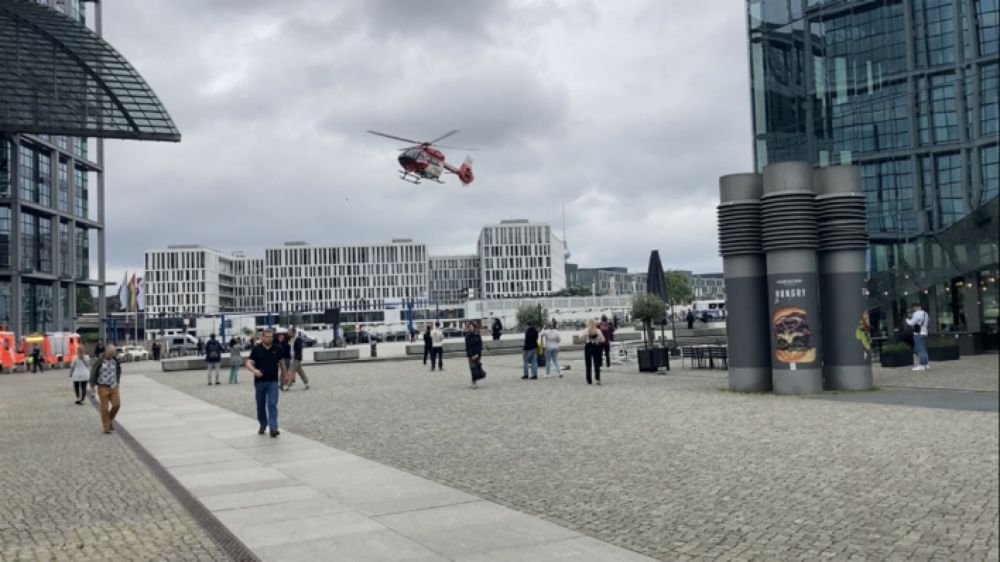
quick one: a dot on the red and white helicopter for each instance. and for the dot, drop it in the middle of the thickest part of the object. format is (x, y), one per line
(423, 161)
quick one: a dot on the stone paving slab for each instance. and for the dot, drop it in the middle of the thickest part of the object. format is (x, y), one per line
(293, 499)
(925, 398)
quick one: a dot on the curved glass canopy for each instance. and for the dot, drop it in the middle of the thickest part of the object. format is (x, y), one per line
(58, 77)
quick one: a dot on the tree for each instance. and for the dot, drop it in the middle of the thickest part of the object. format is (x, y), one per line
(649, 309)
(533, 314)
(678, 288)
(573, 292)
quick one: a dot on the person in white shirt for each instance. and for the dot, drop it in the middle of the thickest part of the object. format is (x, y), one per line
(550, 342)
(79, 373)
(437, 347)
(919, 320)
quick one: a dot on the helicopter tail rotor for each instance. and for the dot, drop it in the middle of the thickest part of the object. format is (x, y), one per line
(464, 173)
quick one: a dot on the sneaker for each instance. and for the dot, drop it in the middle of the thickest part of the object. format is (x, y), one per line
(217, 382)
(275, 433)
(534, 378)
(919, 368)
(598, 383)
(306, 387)
(524, 378)
(261, 431)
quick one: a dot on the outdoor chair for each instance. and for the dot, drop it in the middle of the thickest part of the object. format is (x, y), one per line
(719, 356)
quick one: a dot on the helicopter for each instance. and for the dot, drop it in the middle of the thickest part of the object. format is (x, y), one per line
(423, 160)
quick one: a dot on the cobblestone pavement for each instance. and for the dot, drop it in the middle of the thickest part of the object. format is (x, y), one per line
(670, 466)
(978, 372)
(70, 492)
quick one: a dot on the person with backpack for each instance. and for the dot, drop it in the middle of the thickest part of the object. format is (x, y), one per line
(106, 377)
(919, 320)
(608, 331)
(213, 356)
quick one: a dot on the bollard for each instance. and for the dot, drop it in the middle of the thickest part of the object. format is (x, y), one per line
(788, 232)
(843, 242)
(374, 350)
(745, 274)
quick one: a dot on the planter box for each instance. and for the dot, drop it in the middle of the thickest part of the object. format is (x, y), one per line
(943, 353)
(653, 359)
(891, 359)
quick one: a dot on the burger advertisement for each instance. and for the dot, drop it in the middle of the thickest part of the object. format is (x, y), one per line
(794, 322)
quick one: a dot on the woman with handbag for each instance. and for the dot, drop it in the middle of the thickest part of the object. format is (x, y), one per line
(474, 351)
(79, 373)
(592, 350)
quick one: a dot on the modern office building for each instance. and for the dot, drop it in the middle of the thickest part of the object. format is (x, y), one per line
(519, 258)
(298, 276)
(248, 283)
(61, 92)
(906, 90)
(454, 279)
(189, 279)
(611, 281)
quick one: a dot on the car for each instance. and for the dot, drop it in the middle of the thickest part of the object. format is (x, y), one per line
(307, 340)
(133, 353)
(453, 333)
(354, 338)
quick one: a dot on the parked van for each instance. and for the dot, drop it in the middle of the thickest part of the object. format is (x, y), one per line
(183, 344)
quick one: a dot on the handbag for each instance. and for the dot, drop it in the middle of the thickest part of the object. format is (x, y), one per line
(478, 373)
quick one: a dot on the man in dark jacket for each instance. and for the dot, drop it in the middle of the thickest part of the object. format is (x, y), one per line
(608, 331)
(530, 352)
(497, 329)
(213, 356)
(690, 319)
(428, 343)
(474, 351)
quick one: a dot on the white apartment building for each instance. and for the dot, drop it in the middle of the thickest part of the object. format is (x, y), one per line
(519, 258)
(248, 276)
(188, 278)
(452, 278)
(298, 276)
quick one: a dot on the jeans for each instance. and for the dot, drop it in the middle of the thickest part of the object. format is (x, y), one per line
(108, 395)
(551, 360)
(920, 346)
(213, 367)
(607, 354)
(437, 354)
(427, 352)
(234, 372)
(531, 359)
(266, 393)
(80, 389)
(592, 357)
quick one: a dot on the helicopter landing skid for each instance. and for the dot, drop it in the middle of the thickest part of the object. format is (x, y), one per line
(413, 178)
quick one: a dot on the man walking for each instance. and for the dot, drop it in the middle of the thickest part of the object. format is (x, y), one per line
(919, 321)
(106, 376)
(437, 347)
(266, 364)
(213, 356)
(608, 331)
(530, 352)
(296, 352)
(428, 343)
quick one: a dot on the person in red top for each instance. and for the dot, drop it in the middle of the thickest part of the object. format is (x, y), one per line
(608, 331)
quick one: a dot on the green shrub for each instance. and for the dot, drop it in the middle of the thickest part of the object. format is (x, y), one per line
(533, 313)
(896, 347)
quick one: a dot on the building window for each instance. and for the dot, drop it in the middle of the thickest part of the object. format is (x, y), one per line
(935, 32)
(44, 179)
(81, 197)
(5, 237)
(949, 188)
(989, 84)
(989, 161)
(988, 25)
(26, 173)
(63, 187)
(29, 241)
(5, 156)
(944, 115)
(45, 244)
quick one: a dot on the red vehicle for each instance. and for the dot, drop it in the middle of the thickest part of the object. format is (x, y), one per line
(424, 161)
(10, 357)
(57, 348)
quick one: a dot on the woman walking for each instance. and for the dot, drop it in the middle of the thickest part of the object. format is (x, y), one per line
(474, 351)
(592, 351)
(550, 342)
(79, 373)
(235, 360)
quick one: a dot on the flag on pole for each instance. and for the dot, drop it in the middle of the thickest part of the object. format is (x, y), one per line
(131, 293)
(141, 294)
(123, 292)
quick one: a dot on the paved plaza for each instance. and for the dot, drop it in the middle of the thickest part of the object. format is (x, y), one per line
(672, 466)
(71, 492)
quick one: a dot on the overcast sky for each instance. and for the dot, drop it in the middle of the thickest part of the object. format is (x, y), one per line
(626, 112)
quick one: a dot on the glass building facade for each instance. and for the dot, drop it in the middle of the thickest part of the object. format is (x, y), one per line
(49, 223)
(908, 91)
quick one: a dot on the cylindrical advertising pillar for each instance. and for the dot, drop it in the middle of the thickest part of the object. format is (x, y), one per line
(788, 231)
(843, 241)
(746, 282)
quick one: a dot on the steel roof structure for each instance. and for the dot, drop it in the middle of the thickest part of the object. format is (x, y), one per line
(58, 77)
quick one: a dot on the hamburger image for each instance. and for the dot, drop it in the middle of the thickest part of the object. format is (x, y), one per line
(792, 336)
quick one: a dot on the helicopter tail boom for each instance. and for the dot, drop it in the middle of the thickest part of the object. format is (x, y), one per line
(464, 172)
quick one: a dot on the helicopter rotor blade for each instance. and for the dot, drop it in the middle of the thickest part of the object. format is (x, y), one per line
(444, 136)
(457, 147)
(395, 137)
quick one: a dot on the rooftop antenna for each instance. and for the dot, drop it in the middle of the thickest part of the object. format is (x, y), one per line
(567, 253)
